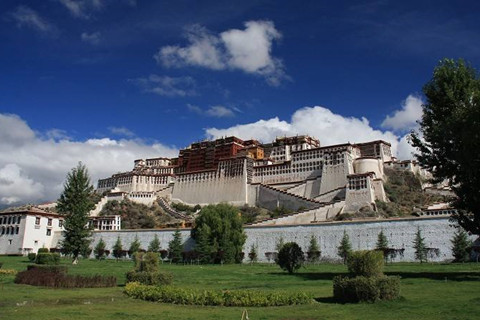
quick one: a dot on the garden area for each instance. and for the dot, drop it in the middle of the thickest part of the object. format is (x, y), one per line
(428, 291)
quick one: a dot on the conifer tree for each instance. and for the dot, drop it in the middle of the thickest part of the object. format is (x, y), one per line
(253, 255)
(461, 246)
(74, 204)
(419, 246)
(175, 247)
(382, 242)
(313, 250)
(202, 244)
(117, 249)
(154, 245)
(345, 248)
(99, 250)
(279, 244)
(134, 247)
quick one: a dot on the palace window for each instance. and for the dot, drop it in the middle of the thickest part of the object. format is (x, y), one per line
(37, 221)
(49, 232)
(49, 223)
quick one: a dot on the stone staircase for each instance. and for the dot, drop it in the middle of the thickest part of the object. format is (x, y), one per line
(172, 212)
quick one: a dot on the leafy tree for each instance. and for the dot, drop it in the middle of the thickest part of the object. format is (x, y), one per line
(99, 250)
(175, 247)
(134, 247)
(313, 250)
(74, 203)
(461, 246)
(345, 248)
(202, 244)
(226, 236)
(449, 137)
(290, 257)
(117, 249)
(253, 255)
(154, 245)
(420, 248)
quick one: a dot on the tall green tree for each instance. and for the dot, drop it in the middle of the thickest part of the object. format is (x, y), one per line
(461, 246)
(226, 234)
(99, 250)
(420, 247)
(175, 247)
(154, 245)
(117, 249)
(134, 247)
(449, 137)
(202, 244)
(279, 244)
(74, 204)
(382, 244)
(313, 250)
(345, 248)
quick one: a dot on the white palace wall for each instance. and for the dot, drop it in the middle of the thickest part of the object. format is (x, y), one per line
(363, 235)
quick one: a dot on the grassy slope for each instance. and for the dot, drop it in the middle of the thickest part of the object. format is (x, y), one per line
(426, 294)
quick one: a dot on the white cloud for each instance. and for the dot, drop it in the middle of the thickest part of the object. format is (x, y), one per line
(219, 112)
(405, 119)
(82, 8)
(27, 17)
(167, 86)
(33, 168)
(92, 38)
(249, 50)
(121, 131)
(319, 122)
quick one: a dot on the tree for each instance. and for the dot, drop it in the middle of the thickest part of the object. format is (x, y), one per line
(74, 204)
(461, 246)
(253, 255)
(382, 242)
(99, 250)
(279, 244)
(420, 248)
(449, 137)
(290, 257)
(117, 249)
(313, 250)
(345, 248)
(154, 245)
(175, 247)
(134, 247)
(202, 244)
(226, 236)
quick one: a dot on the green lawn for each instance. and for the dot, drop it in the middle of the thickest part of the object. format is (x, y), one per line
(429, 291)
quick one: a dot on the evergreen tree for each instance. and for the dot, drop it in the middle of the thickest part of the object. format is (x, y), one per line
(134, 247)
(99, 250)
(279, 244)
(382, 244)
(419, 246)
(345, 248)
(74, 204)
(461, 246)
(313, 250)
(154, 245)
(253, 255)
(117, 249)
(202, 244)
(175, 247)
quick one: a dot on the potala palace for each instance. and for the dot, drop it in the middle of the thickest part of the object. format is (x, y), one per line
(315, 183)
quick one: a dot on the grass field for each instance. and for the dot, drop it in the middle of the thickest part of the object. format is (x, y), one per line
(429, 291)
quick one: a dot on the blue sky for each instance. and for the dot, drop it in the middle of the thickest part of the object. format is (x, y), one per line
(105, 82)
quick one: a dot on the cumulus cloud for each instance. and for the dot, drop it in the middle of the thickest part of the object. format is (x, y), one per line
(405, 119)
(92, 38)
(26, 17)
(167, 86)
(319, 122)
(33, 168)
(249, 50)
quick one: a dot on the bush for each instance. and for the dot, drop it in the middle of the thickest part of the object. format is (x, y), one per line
(147, 262)
(1, 265)
(234, 298)
(32, 256)
(46, 278)
(366, 263)
(8, 271)
(290, 257)
(49, 268)
(150, 278)
(43, 250)
(366, 289)
(47, 258)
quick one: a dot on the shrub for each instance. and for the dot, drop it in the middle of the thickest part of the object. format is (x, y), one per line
(32, 256)
(366, 289)
(46, 278)
(49, 268)
(8, 271)
(47, 258)
(150, 278)
(234, 298)
(1, 265)
(290, 257)
(43, 250)
(366, 263)
(146, 261)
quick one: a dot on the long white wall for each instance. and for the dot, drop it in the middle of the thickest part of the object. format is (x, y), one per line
(437, 232)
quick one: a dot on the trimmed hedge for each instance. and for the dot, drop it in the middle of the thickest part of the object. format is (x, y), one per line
(234, 298)
(150, 278)
(8, 271)
(366, 289)
(49, 268)
(43, 250)
(47, 258)
(46, 278)
(366, 263)
(32, 256)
